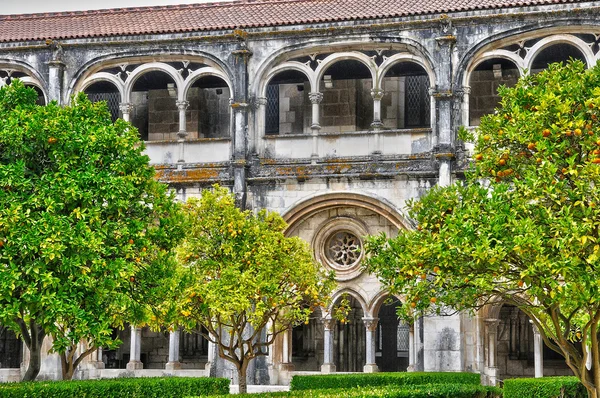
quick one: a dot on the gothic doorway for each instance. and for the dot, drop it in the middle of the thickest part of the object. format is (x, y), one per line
(391, 340)
(349, 340)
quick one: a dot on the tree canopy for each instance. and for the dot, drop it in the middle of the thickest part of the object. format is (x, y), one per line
(523, 226)
(240, 274)
(85, 230)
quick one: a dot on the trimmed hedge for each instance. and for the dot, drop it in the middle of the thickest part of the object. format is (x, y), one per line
(408, 391)
(168, 387)
(545, 387)
(318, 382)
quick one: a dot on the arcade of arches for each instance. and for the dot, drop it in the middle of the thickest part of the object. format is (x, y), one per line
(335, 126)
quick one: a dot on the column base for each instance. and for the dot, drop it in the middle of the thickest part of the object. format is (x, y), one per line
(328, 368)
(286, 367)
(99, 365)
(134, 365)
(173, 365)
(492, 375)
(411, 368)
(370, 368)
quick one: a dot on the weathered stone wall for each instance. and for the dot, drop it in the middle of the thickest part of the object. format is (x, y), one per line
(484, 91)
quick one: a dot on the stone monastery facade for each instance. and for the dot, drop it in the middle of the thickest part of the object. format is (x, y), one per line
(333, 113)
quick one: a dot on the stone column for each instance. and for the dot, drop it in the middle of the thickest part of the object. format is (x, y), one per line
(492, 334)
(55, 77)
(315, 99)
(538, 351)
(466, 90)
(126, 108)
(444, 97)
(135, 349)
(98, 359)
(371, 326)
(514, 334)
(261, 113)
(286, 351)
(328, 365)
(377, 125)
(411, 348)
(182, 133)
(173, 363)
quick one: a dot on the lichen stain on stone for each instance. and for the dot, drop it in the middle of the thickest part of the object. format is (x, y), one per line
(447, 340)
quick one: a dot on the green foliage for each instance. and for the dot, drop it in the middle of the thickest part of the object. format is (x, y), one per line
(545, 387)
(523, 228)
(171, 387)
(390, 391)
(241, 273)
(85, 230)
(318, 382)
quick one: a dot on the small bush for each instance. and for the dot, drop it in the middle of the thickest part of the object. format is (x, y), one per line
(318, 382)
(414, 391)
(170, 387)
(545, 387)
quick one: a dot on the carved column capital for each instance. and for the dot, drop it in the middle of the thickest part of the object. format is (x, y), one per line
(182, 105)
(492, 325)
(536, 330)
(261, 101)
(371, 323)
(377, 94)
(125, 107)
(329, 323)
(315, 98)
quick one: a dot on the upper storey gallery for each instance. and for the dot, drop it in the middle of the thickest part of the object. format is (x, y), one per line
(297, 81)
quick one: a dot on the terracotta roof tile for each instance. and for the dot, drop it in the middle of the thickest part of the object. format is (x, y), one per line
(229, 15)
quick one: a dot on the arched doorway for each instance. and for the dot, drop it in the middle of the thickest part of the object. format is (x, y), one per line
(391, 339)
(349, 347)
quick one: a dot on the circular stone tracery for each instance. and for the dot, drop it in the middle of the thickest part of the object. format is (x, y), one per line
(343, 249)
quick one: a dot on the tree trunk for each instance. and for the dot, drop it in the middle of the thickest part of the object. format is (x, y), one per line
(67, 367)
(36, 337)
(242, 377)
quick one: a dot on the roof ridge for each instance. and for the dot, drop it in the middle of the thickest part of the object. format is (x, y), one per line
(124, 10)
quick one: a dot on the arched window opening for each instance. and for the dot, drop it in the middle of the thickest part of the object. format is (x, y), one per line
(288, 109)
(117, 358)
(350, 340)
(307, 344)
(208, 113)
(391, 339)
(406, 101)
(11, 349)
(484, 82)
(155, 113)
(347, 100)
(193, 349)
(107, 92)
(561, 52)
(515, 357)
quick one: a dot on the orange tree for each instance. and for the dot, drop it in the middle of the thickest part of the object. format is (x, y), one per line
(240, 274)
(85, 230)
(523, 227)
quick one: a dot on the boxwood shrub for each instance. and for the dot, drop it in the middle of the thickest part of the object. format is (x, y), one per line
(168, 387)
(381, 379)
(545, 387)
(407, 391)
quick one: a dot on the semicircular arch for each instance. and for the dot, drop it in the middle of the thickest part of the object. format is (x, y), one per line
(346, 56)
(204, 72)
(153, 67)
(104, 77)
(338, 294)
(405, 57)
(287, 66)
(319, 202)
(560, 39)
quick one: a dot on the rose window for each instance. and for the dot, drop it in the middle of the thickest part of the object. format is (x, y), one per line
(343, 249)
